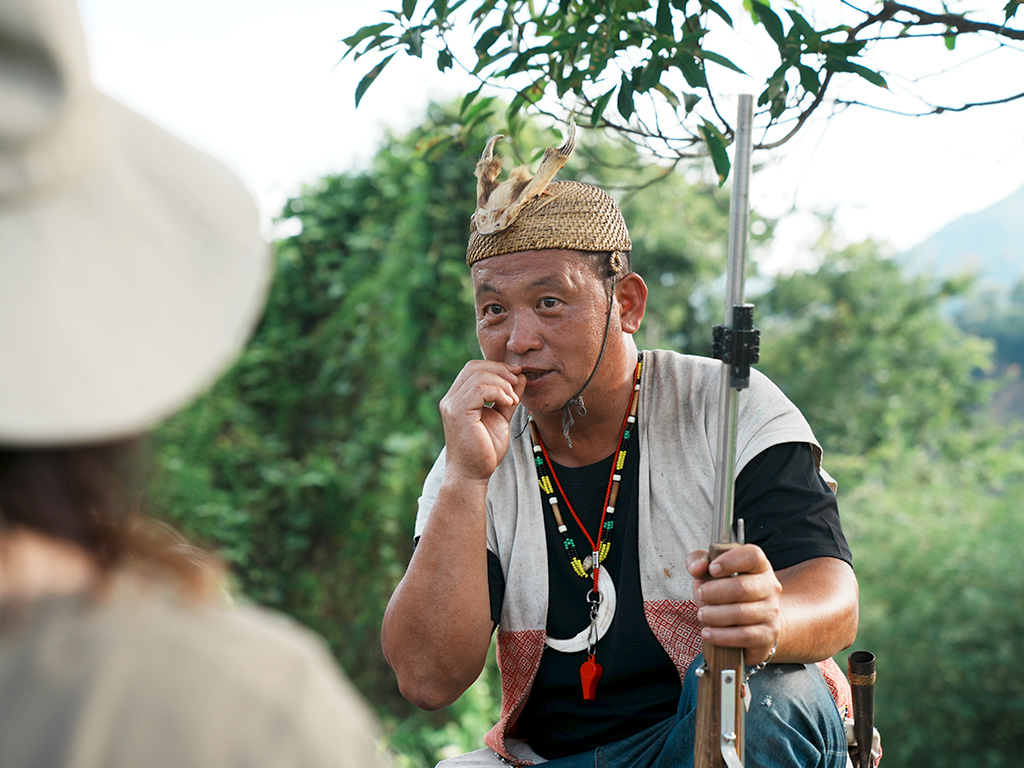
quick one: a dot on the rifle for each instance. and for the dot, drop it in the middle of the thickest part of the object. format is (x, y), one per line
(720, 710)
(861, 673)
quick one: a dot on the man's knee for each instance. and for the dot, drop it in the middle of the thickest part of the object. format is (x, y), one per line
(792, 719)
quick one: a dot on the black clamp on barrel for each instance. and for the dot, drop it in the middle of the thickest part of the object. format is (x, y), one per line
(737, 346)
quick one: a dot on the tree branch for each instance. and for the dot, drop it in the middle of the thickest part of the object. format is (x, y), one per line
(955, 21)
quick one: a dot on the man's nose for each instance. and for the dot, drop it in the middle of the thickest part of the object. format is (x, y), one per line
(524, 336)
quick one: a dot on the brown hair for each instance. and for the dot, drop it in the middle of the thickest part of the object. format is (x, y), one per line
(94, 497)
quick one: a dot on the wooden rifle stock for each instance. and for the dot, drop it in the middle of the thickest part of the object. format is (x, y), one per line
(720, 710)
(718, 739)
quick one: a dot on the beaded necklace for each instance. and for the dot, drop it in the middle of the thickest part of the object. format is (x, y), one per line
(590, 671)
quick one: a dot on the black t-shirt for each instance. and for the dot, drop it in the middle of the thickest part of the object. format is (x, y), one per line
(787, 510)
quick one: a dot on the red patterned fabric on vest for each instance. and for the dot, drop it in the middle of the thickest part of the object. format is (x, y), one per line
(674, 624)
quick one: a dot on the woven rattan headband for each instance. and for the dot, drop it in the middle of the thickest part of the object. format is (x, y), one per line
(531, 214)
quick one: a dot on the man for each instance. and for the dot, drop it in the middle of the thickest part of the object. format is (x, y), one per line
(597, 663)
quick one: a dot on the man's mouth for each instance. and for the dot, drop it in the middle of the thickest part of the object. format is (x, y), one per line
(534, 375)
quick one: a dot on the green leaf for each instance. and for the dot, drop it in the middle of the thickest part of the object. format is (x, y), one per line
(692, 71)
(809, 79)
(720, 59)
(374, 29)
(1010, 9)
(870, 75)
(468, 99)
(444, 60)
(480, 12)
(531, 94)
(648, 77)
(487, 39)
(779, 102)
(845, 50)
(690, 101)
(521, 62)
(599, 107)
(625, 100)
(776, 89)
(663, 21)
(802, 25)
(950, 41)
(715, 142)
(408, 8)
(476, 119)
(481, 105)
(711, 5)
(440, 9)
(772, 24)
(488, 59)
(669, 94)
(413, 40)
(370, 76)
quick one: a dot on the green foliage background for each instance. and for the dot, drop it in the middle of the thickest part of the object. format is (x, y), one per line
(302, 466)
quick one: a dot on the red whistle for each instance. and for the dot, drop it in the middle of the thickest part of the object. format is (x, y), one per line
(590, 673)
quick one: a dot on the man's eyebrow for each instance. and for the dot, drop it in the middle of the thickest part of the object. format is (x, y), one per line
(548, 281)
(484, 288)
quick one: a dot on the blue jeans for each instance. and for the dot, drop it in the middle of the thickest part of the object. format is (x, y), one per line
(792, 722)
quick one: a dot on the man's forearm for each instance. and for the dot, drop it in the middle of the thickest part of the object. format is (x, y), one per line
(437, 626)
(819, 610)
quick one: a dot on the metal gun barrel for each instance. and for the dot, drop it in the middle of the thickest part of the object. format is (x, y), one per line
(861, 673)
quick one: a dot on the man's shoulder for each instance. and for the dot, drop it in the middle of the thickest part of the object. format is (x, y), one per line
(667, 362)
(696, 373)
(680, 376)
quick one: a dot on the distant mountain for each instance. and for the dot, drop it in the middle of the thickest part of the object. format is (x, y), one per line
(989, 244)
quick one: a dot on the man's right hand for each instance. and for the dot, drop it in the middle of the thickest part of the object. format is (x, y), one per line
(437, 627)
(476, 413)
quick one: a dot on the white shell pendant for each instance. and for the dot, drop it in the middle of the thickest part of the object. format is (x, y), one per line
(605, 614)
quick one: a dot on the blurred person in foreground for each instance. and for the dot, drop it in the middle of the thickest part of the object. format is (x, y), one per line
(132, 270)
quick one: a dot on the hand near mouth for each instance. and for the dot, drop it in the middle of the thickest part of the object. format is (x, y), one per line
(476, 413)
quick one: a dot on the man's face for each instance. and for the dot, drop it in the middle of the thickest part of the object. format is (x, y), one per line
(544, 311)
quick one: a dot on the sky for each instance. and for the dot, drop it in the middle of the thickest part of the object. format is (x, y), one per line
(260, 85)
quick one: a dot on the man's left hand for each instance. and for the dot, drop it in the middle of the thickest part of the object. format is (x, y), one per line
(738, 599)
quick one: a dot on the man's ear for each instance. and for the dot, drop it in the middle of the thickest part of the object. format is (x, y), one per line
(631, 292)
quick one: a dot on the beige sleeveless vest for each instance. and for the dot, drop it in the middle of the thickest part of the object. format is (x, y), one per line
(678, 434)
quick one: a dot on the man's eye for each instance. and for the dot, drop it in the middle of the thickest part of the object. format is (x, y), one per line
(493, 309)
(549, 302)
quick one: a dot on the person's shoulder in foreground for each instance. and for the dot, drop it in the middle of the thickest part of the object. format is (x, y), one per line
(139, 674)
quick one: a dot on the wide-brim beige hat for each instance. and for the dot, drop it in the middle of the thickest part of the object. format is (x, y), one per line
(132, 266)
